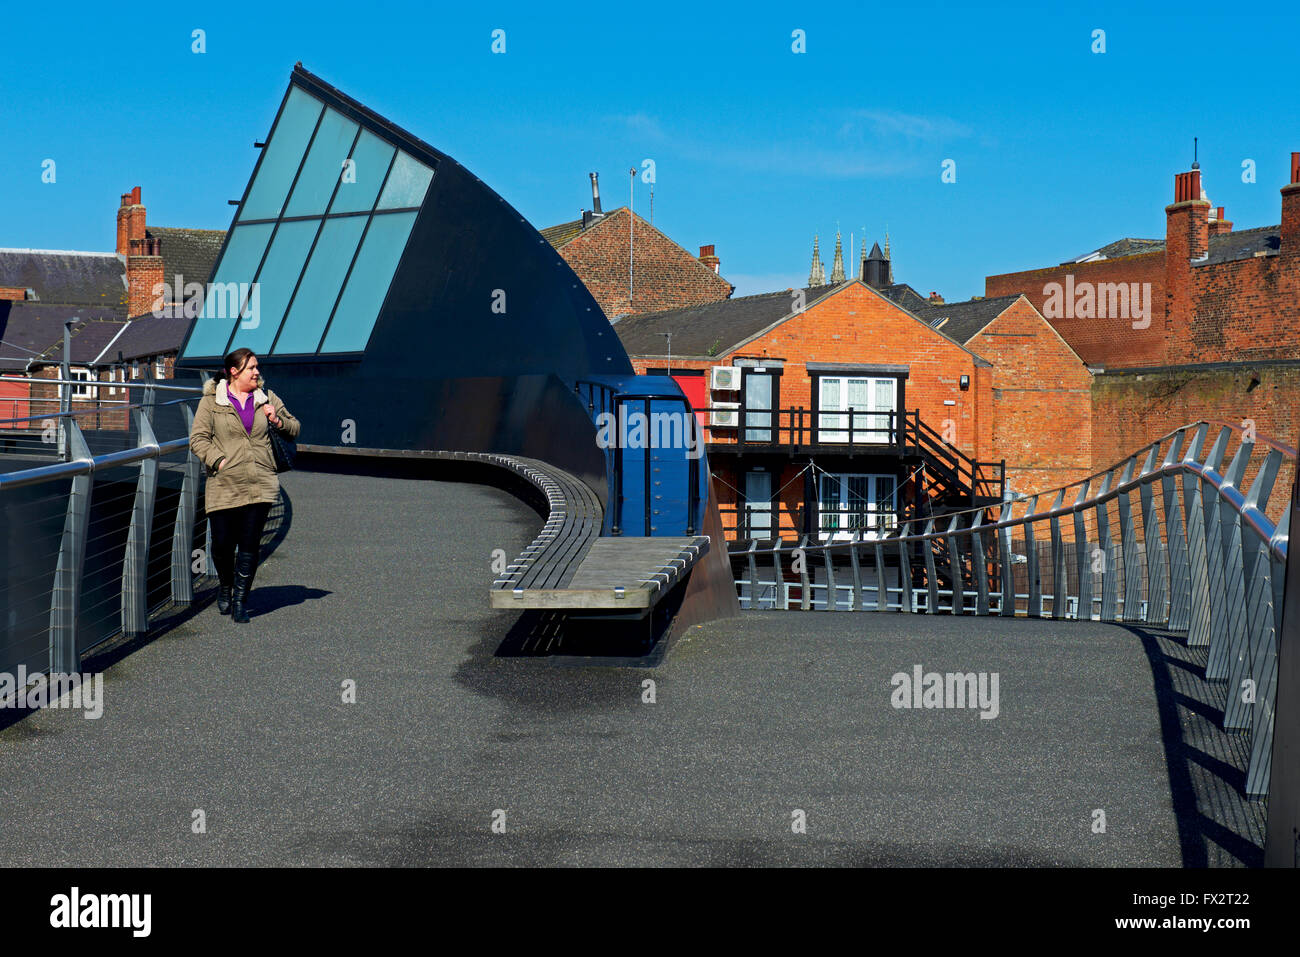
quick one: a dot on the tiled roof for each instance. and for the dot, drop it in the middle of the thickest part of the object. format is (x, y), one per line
(61, 277)
(905, 296)
(191, 253)
(1120, 247)
(714, 328)
(1243, 244)
(33, 332)
(151, 336)
(965, 319)
(557, 236)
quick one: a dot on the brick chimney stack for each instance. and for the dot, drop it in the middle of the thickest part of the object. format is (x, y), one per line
(1291, 211)
(1187, 240)
(936, 299)
(130, 221)
(709, 259)
(1218, 224)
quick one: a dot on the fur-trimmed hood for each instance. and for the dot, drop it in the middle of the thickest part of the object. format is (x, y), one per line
(217, 389)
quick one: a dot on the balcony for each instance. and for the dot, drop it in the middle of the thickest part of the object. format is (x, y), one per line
(802, 430)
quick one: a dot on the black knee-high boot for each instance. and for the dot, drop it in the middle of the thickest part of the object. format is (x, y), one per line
(225, 563)
(244, 567)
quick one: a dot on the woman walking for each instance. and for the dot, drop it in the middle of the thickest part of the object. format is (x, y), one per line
(231, 438)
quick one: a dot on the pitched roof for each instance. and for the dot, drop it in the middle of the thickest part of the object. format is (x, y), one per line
(717, 328)
(62, 277)
(905, 296)
(1243, 244)
(191, 253)
(1120, 247)
(711, 329)
(150, 336)
(557, 236)
(964, 319)
(32, 332)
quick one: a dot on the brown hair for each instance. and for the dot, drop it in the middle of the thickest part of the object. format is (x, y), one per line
(236, 360)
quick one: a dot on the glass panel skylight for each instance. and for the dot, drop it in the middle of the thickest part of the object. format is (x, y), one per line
(275, 283)
(370, 163)
(368, 284)
(227, 289)
(407, 183)
(324, 165)
(282, 156)
(320, 285)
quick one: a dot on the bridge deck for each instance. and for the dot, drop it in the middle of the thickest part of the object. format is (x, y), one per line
(381, 581)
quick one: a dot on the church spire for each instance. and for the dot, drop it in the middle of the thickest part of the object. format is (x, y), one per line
(837, 267)
(817, 275)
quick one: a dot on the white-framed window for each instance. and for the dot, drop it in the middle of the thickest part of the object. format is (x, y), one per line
(871, 399)
(160, 367)
(82, 391)
(851, 503)
(137, 369)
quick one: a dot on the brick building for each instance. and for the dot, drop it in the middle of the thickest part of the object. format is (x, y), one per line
(1221, 342)
(850, 406)
(111, 300)
(604, 247)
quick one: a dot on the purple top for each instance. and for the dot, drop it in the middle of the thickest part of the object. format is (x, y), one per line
(246, 410)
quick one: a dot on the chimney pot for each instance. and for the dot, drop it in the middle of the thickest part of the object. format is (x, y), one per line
(1295, 167)
(708, 257)
(595, 192)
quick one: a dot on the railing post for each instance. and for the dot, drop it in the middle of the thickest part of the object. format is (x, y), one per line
(882, 586)
(751, 601)
(1198, 620)
(977, 560)
(183, 529)
(829, 562)
(778, 596)
(931, 578)
(1109, 588)
(805, 580)
(1082, 556)
(955, 576)
(1214, 561)
(135, 563)
(905, 572)
(1282, 841)
(1035, 607)
(65, 596)
(1059, 579)
(1128, 548)
(1231, 648)
(1008, 608)
(857, 571)
(1180, 583)
(1157, 573)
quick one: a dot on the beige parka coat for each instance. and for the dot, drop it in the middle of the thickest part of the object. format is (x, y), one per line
(248, 474)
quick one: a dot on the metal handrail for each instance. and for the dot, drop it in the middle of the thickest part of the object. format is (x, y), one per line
(98, 383)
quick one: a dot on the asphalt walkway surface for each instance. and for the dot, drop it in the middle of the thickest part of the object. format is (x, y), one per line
(759, 724)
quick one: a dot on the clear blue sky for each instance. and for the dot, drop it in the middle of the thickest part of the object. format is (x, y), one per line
(1057, 149)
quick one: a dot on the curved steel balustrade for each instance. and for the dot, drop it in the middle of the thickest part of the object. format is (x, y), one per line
(1194, 553)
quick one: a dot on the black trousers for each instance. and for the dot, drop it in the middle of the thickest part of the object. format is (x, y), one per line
(240, 527)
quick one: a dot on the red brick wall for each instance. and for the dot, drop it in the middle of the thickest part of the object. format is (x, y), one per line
(1109, 342)
(664, 275)
(1131, 410)
(1041, 402)
(13, 293)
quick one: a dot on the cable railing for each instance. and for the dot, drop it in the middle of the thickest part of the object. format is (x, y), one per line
(104, 529)
(1175, 540)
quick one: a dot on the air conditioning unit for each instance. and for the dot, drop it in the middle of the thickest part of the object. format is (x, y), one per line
(724, 415)
(725, 379)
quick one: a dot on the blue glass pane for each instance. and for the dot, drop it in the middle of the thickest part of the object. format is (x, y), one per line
(406, 184)
(324, 165)
(320, 285)
(281, 156)
(370, 162)
(275, 284)
(227, 290)
(369, 282)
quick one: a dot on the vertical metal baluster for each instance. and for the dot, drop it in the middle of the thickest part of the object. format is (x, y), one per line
(832, 602)
(1128, 548)
(1035, 606)
(882, 586)
(752, 563)
(1198, 625)
(183, 528)
(977, 560)
(1082, 556)
(1216, 668)
(905, 570)
(1008, 608)
(1180, 582)
(1058, 559)
(1231, 652)
(1109, 589)
(805, 583)
(780, 598)
(135, 562)
(931, 578)
(955, 575)
(1157, 584)
(857, 571)
(65, 596)
(1248, 661)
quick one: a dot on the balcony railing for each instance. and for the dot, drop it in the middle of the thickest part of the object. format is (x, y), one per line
(803, 427)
